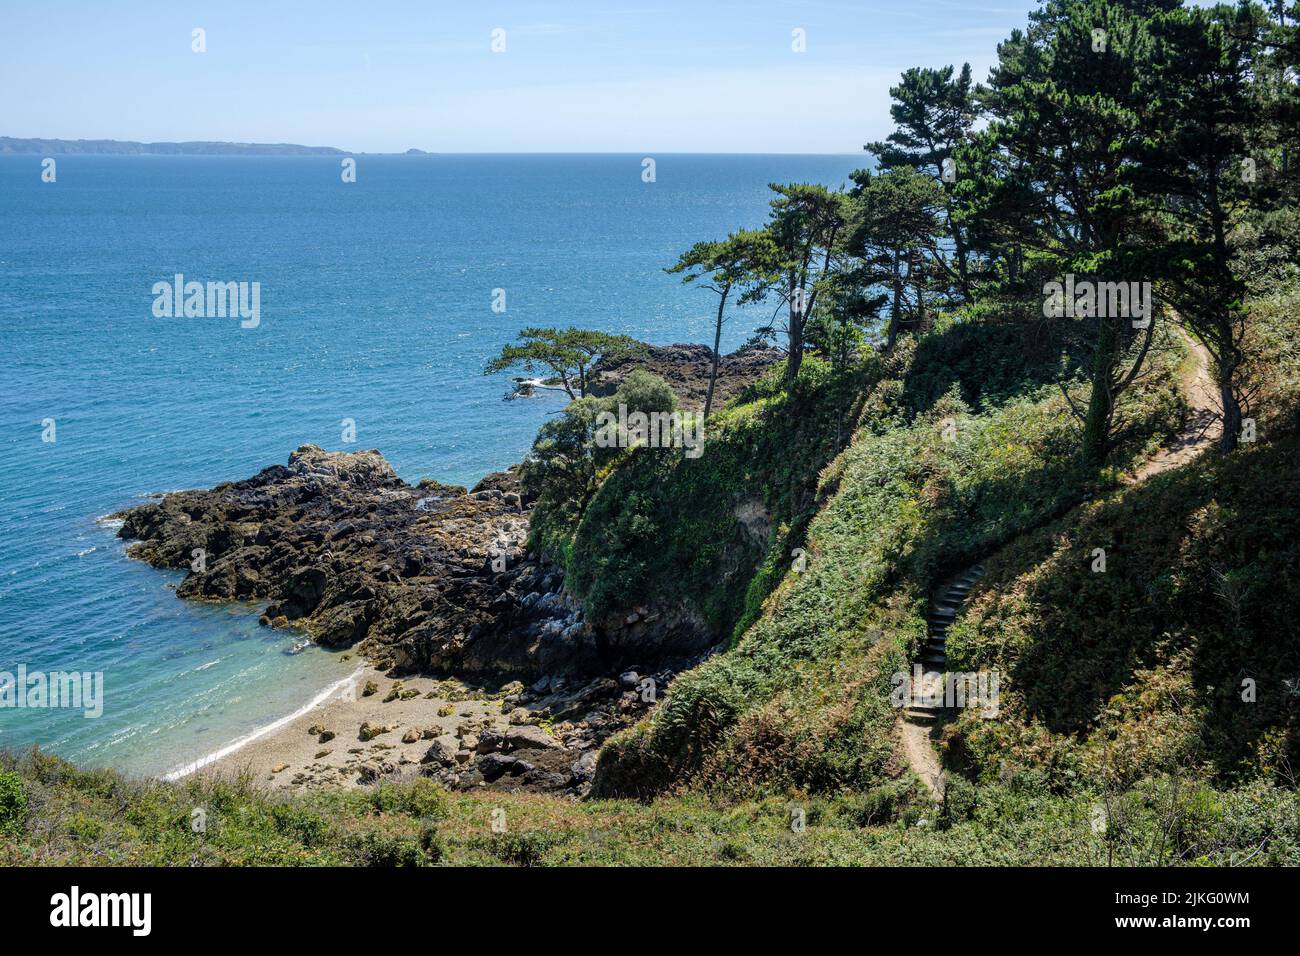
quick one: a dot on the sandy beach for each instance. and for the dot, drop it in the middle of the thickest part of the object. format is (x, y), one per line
(323, 747)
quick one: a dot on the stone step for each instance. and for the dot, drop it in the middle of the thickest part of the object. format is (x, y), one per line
(921, 714)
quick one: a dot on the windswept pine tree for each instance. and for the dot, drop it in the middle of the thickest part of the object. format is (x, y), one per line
(1069, 120)
(934, 112)
(897, 231)
(747, 262)
(568, 354)
(1198, 177)
(808, 226)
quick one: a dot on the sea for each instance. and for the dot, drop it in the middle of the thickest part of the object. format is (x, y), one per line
(379, 302)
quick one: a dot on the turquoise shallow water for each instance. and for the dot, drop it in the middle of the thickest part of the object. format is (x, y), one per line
(375, 306)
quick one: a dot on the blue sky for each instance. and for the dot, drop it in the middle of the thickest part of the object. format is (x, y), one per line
(378, 76)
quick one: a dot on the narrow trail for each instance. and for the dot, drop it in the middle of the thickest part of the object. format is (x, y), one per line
(1199, 433)
(921, 724)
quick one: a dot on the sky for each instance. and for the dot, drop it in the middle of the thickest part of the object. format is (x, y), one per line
(579, 76)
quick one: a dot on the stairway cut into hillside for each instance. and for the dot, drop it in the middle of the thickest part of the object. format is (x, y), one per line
(922, 720)
(920, 724)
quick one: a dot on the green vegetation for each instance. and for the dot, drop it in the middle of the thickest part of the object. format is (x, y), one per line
(13, 802)
(99, 818)
(567, 354)
(1177, 658)
(569, 460)
(802, 700)
(696, 528)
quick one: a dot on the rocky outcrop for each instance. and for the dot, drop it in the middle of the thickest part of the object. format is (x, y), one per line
(686, 369)
(429, 577)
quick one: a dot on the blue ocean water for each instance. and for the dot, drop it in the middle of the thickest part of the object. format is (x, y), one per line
(375, 306)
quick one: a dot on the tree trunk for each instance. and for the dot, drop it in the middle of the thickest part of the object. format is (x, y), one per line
(1227, 369)
(717, 344)
(895, 308)
(1101, 404)
(963, 267)
(914, 274)
(1231, 417)
(794, 358)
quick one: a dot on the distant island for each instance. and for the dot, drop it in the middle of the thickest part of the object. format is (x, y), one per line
(114, 147)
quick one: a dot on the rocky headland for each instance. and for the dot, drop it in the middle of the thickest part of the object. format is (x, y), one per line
(434, 581)
(686, 369)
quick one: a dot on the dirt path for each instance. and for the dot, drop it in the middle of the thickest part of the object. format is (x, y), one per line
(1200, 432)
(921, 724)
(922, 756)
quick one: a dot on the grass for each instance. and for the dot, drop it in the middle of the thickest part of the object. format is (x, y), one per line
(79, 817)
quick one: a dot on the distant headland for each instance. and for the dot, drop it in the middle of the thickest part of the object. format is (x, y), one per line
(114, 147)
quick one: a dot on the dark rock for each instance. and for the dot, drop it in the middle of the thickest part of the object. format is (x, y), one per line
(493, 766)
(530, 737)
(584, 768)
(442, 751)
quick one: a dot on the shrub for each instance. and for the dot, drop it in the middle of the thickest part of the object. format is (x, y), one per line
(13, 802)
(520, 849)
(564, 468)
(376, 848)
(421, 798)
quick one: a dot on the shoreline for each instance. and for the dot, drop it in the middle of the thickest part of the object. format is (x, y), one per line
(240, 743)
(322, 743)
